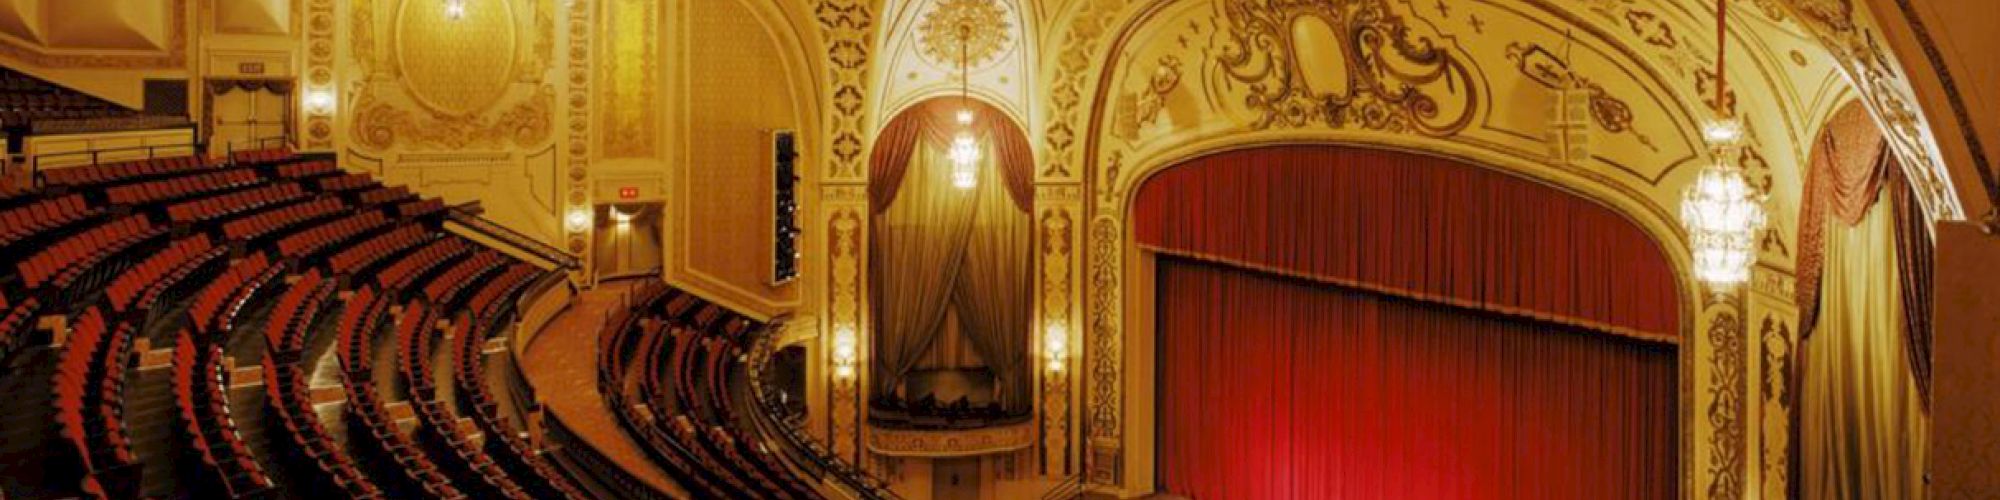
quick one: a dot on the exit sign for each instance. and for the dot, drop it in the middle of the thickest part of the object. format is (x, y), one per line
(628, 192)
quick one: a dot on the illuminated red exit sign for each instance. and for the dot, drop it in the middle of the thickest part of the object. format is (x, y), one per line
(628, 192)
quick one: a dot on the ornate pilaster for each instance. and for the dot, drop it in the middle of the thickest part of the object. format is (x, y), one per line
(847, 30)
(579, 79)
(1056, 209)
(1725, 399)
(847, 216)
(1773, 358)
(318, 121)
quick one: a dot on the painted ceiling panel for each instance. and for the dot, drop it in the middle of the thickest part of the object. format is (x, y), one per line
(22, 19)
(263, 17)
(108, 24)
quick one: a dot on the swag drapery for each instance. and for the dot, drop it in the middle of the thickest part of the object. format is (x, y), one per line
(1862, 377)
(940, 252)
(1439, 331)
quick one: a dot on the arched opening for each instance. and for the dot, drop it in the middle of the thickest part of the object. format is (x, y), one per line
(1343, 322)
(950, 275)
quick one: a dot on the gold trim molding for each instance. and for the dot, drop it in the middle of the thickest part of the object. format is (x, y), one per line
(951, 443)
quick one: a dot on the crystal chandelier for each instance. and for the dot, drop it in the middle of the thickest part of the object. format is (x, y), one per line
(1721, 211)
(964, 161)
(964, 149)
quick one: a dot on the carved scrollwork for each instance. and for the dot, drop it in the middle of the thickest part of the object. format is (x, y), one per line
(1391, 76)
(1546, 69)
(1725, 412)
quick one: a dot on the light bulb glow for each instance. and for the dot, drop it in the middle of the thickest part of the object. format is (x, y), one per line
(454, 9)
(964, 162)
(319, 101)
(577, 220)
(964, 117)
(1722, 214)
(1723, 132)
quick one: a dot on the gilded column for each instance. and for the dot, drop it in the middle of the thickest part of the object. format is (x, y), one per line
(1057, 206)
(577, 216)
(847, 29)
(319, 112)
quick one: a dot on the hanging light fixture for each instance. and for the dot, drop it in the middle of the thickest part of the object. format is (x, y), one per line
(454, 9)
(964, 152)
(1721, 211)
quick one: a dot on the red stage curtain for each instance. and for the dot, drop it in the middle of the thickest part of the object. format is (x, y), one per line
(1418, 227)
(1273, 388)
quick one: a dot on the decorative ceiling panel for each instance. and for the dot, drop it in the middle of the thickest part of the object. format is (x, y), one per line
(141, 25)
(257, 17)
(926, 39)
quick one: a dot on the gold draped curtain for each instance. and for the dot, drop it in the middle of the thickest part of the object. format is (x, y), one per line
(941, 253)
(1862, 424)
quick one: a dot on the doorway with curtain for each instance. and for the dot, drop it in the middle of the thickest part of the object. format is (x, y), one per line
(628, 240)
(950, 268)
(247, 114)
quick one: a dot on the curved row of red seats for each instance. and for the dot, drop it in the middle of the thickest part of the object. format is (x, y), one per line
(69, 258)
(272, 221)
(181, 186)
(24, 222)
(231, 204)
(206, 425)
(106, 173)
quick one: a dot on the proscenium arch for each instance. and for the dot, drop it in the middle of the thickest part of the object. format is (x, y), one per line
(1117, 287)
(1141, 336)
(1138, 353)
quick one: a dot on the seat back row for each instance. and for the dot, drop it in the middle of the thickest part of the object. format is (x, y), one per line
(108, 173)
(311, 241)
(272, 221)
(209, 431)
(231, 204)
(130, 287)
(67, 259)
(26, 221)
(181, 187)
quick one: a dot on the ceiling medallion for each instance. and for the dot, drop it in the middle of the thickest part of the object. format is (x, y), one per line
(964, 31)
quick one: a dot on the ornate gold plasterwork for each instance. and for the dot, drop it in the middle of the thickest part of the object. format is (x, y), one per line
(1866, 61)
(380, 125)
(1546, 69)
(1726, 445)
(1067, 109)
(578, 137)
(1774, 436)
(630, 67)
(174, 57)
(489, 90)
(847, 27)
(455, 66)
(951, 443)
(844, 310)
(1107, 345)
(1396, 80)
(968, 31)
(1055, 250)
(319, 29)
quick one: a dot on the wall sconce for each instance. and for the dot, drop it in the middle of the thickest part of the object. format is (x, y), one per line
(577, 220)
(1056, 344)
(846, 350)
(319, 101)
